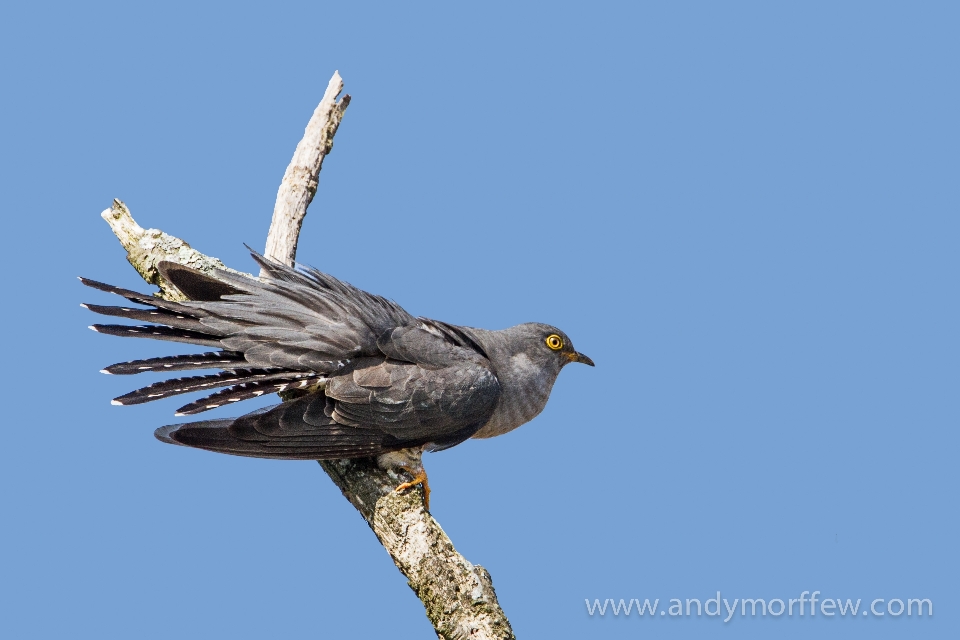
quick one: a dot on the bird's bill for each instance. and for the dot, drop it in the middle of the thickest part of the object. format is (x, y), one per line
(579, 357)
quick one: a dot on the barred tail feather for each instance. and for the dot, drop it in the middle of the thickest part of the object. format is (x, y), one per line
(246, 391)
(176, 386)
(140, 298)
(158, 332)
(159, 316)
(208, 360)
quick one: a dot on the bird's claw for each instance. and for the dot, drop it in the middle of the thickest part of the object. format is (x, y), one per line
(419, 477)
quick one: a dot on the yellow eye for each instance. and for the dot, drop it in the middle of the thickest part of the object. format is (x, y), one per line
(555, 342)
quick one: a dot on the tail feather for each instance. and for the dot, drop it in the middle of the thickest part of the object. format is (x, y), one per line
(140, 298)
(160, 316)
(158, 332)
(208, 360)
(246, 391)
(176, 386)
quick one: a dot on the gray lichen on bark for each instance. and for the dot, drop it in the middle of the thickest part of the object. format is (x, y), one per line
(458, 596)
(146, 247)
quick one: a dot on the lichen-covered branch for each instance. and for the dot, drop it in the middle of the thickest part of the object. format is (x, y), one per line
(146, 247)
(458, 596)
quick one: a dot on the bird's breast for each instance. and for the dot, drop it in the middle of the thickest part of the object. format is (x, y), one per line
(524, 391)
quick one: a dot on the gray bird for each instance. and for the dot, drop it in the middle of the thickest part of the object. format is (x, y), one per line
(359, 375)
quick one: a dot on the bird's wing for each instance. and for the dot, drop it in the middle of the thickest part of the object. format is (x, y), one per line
(296, 430)
(424, 392)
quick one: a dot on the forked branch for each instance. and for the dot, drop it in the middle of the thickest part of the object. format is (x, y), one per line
(458, 596)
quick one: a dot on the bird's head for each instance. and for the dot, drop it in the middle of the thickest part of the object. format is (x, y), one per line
(547, 347)
(527, 359)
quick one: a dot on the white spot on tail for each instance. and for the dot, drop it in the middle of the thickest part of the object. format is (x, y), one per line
(106, 372)
(116, 402)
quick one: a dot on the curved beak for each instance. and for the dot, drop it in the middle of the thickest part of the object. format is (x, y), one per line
(579, 357)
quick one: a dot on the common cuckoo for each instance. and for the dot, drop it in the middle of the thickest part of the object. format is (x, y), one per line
(360, 376)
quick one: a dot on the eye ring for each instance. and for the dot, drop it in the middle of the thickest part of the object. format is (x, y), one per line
(554, 342)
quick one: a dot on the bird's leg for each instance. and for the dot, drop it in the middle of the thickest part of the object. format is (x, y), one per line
(410, 461)
(419, 477)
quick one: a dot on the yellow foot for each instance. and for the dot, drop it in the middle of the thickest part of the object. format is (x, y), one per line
(419, 477)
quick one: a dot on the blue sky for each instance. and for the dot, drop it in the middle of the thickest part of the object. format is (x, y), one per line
(746, 214)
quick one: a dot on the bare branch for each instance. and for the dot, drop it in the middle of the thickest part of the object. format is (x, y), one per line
(300, 181)
(458, 596)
